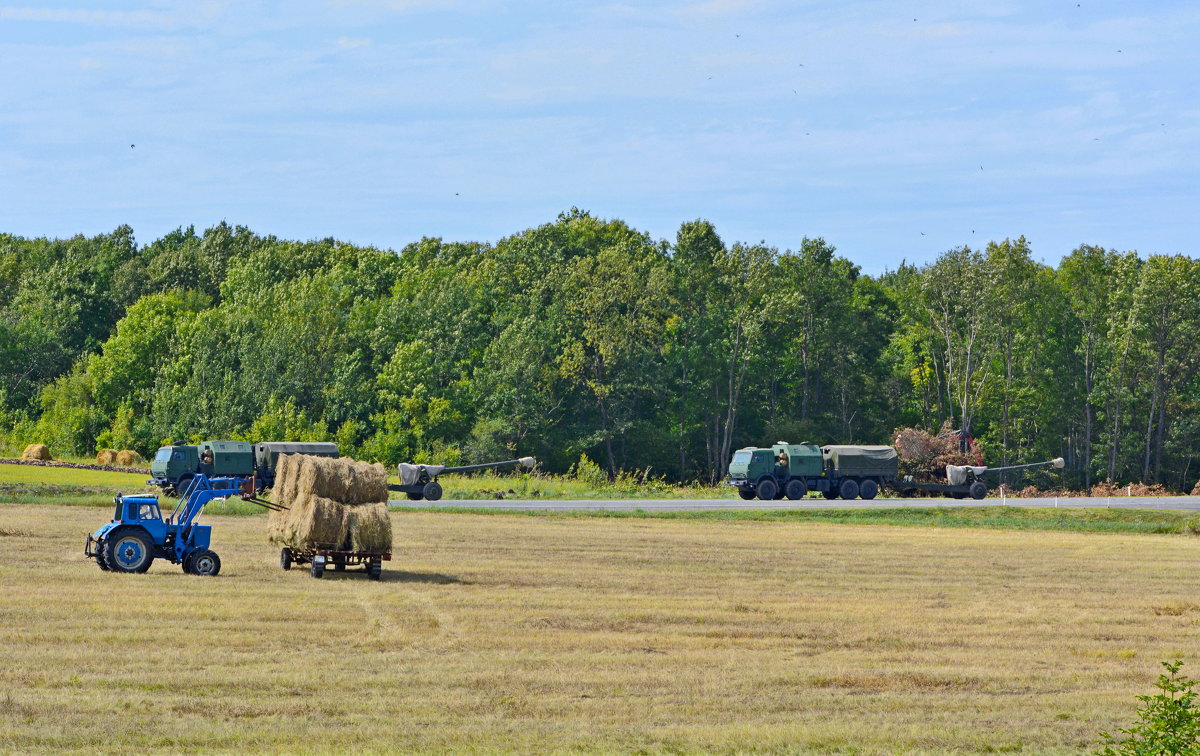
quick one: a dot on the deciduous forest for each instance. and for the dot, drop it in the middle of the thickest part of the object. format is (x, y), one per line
(586, 336)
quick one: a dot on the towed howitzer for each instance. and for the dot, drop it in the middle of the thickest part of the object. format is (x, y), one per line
(419, 482)
(966, 474)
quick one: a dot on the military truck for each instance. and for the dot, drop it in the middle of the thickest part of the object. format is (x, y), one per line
(174, 466)
(848, 471)
(792, 470)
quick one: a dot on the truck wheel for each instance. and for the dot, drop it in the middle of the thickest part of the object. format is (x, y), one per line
(978, 490)
(831, 495)
(746, 493)
(868, 490)
(129, 551)
(182, 484)
(432, 490)
(848, 489)
(205, 563)
(285, 559)
(796, 489)
(766, 489)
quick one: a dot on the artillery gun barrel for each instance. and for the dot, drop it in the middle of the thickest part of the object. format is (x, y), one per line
(1056, 462)
(525, 461)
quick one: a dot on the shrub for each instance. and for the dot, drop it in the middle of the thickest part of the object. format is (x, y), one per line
(1168, 721)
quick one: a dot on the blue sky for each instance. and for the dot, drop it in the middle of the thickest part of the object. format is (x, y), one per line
(895, 130)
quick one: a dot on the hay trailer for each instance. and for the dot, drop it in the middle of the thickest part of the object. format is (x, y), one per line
(419, 482)
(320, 557)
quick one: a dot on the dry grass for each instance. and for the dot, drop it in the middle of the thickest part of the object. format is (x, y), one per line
(493, 634)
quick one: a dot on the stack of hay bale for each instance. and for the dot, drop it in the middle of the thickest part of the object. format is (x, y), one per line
(106, 457)
(333, 504)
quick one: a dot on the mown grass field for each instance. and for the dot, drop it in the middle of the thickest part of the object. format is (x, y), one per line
(565, 634)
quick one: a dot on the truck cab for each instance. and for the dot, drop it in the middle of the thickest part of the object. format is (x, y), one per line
(174, 467)
(174, 463)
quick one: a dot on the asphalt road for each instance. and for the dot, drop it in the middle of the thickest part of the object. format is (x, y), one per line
(700, 505)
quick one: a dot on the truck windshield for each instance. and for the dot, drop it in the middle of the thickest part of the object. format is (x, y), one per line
(742, 457)
(163, 454)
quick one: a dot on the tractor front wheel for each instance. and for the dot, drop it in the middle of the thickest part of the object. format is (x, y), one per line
(204, 563)
(129, 551)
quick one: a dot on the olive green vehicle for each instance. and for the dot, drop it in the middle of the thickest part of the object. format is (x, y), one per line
(848, 471)
(792, 470)
(174, 466)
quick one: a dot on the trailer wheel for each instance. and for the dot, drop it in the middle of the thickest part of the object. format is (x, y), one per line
(205, 563)
(129, 551)
(375, 569)
(978, 490)
(796, 489)
(767, 488)
(432, 490)
(746, 493)
(869, 489)
(285, 559)
(848, 489)
(318, 568)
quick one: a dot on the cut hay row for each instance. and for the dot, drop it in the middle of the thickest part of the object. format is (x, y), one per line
(332, 503)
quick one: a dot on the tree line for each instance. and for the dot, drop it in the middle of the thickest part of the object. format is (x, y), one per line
(586, 336)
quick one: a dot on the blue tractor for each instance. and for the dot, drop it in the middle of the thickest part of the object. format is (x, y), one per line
(139, 533)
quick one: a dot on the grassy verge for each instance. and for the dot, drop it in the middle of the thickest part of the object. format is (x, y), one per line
(541, 486)
(992, 517)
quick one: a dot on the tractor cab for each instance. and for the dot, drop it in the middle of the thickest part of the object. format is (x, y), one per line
(136, 508)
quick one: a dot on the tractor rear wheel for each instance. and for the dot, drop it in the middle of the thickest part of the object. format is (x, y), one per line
(205, 563)
(767, 488)
(432, 490)
(796, 489)
(868, 490)
(100, 558)
(848, 489)
(129, 551)
(285, 559)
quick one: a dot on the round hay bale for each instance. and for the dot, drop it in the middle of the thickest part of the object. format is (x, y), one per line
(106, 457)
(128, 458)
(36, 452)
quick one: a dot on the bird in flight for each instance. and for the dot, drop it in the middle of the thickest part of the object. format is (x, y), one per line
(132, 146)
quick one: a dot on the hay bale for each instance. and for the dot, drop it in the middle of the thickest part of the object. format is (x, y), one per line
(345, 480)
(284, 489)
(106, 456)
(370, 528)
(312, 521)
(36, 452)
(128, 458)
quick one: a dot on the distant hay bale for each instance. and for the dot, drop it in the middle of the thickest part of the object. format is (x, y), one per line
(128, 458)
(37, 452)
(106, 457)
(370, 527)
